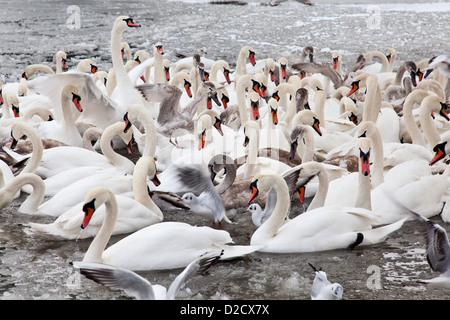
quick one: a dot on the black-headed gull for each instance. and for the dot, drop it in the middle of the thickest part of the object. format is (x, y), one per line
(137, 286)
(323, 289)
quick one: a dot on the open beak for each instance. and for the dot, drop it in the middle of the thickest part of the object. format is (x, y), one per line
(88, 209)
(274, 116)
(187, 87)
(76, 101)
(316, 126)
(440, 153)
(365, 165)
(156, 181)
(251, 58)
(301, 194)
(255, 109)
(127, 123)
(254, 189)
(355, 86)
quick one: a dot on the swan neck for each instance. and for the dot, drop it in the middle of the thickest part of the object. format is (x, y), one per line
(36, 155)
(140, 186)
(98, 245)
(363, 197)
(252, 153)
(322, 190)
(415, 97)
(270, 227)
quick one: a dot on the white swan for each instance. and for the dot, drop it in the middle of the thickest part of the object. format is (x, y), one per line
(10, 190)
(137, 286)
(64, 129)
(431, 104)
(165, 245)
(134, 213)
(325, 228)
(245, 53)
(51, 161)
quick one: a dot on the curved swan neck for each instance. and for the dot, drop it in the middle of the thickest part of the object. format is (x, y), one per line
(38, 149)
(319, 106)
(98, 245)
(105, 145)
(270, 227)
(415, 97)
(429, 128)
(32, 202)
(144, 166)
(322, 190)
(242, 105)
(378, 54)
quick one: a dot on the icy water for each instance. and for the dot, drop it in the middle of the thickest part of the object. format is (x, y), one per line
(33, 268)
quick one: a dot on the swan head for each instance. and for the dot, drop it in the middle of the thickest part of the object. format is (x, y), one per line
(159, 48)
(441, 150)
(93, 200)
(166, 65)
(336, 58)
(12, 101)
(62, 57)
(264, 180)
(254, 104)
(87, 65)
(308, 117)
(71, 92)
(308, 51)
(364, 146)
(298, 132)
(124, 22)
(249, 53)
(273, 105)
(391, 53)
(18, 131)
(283, 67)
(152, 171)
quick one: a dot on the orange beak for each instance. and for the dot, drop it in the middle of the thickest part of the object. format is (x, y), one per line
(167, 73)
(15, 111)
(94, 68)
(209, 103)
(316, 126)
(301, 193)
(442, 111)
(187, 87)
(440, 153)
(251, 58)
(88, 209)
(302, 74)
(365, 165)
(201, 140)
(143, 78)
(226, 74)
(254, 190)
(225, 101)
(130, 146)
(127, 123)
(274, 116)
(355, 86)
(283, 71)
(335, 61)
(272, 75)
(76, 101)
(255, 109)
(156, 181)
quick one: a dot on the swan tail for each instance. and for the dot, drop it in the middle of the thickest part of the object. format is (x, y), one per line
(379, 234)
(50, 231)
(233, 252)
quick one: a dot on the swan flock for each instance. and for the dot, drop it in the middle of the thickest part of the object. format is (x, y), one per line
(318, 158)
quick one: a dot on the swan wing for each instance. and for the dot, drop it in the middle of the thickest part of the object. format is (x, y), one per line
(197, 266)
(313, 67)
(117, 278)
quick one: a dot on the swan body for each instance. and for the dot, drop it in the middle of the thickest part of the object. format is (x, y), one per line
(316, 230)
(134, 212)
(165, 245)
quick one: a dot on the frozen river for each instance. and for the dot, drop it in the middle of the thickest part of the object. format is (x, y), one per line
(33, 31)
